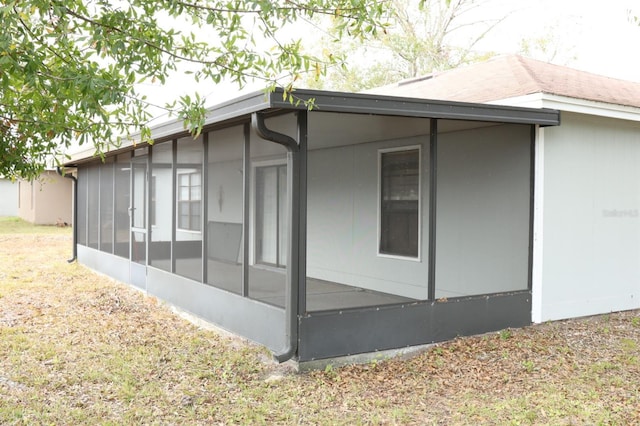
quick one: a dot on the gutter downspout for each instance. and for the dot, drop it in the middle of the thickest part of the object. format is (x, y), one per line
(293, 233)
(75, 213)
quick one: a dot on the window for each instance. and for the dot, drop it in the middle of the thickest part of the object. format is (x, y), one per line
(400, 202)
(271, 226)
(189, 196)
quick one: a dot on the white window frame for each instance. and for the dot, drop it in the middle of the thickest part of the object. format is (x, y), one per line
(252, 211)
(381, 152)
(187, 171)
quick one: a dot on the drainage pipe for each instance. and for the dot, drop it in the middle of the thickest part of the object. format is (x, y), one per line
(293, 233)
(75, 213)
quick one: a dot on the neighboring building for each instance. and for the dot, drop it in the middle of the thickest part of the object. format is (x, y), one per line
(47, 200)
(586, 245)
(8, 198)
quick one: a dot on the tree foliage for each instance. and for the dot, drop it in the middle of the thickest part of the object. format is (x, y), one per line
(69, 68)
(546, 46)
(424, 36)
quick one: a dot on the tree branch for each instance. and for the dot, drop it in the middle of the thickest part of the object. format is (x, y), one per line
(215, 63)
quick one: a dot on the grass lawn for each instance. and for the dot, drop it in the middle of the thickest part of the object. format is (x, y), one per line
(79, 348)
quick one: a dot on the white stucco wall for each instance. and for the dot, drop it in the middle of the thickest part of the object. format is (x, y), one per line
(483, 210)
(8, 198)
(46, 201)
(591, 218)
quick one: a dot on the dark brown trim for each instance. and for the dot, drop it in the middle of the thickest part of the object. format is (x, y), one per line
(433, 193)
(532, 180)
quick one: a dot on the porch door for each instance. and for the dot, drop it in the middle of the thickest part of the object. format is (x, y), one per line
(271, 218)
(138, 213)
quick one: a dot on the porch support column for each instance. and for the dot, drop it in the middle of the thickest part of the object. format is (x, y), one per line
(205, 207)
(433, 178)
(296, 213)
(246, 216)
(301, 212)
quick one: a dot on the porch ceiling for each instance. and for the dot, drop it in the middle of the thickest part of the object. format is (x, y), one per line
(240, 109)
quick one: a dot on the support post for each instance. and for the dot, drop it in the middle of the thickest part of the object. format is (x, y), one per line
(293, 233)
(74, 213)
(433, 200)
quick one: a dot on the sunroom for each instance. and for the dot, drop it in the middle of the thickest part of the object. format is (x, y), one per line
(364, 224)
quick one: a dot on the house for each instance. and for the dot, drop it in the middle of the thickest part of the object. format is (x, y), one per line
(586, 196)
(368, 223)
(47, 200)
(8, 198)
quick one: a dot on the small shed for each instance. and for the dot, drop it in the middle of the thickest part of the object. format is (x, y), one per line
(368, 223)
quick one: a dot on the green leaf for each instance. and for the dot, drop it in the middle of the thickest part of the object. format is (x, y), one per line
(70, 69)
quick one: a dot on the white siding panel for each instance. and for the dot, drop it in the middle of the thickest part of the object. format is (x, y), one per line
(591, 255)
(482, 234)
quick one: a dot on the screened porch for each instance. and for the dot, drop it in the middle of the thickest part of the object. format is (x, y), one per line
(412, 212)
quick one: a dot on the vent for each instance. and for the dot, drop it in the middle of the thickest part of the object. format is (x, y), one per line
(415, 79)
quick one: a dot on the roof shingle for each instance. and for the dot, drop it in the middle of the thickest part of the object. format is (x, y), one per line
(511, 75)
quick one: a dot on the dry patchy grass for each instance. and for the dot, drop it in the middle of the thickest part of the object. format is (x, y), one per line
(79, 348)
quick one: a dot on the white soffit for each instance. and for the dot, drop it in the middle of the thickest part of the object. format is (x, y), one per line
(565, 103)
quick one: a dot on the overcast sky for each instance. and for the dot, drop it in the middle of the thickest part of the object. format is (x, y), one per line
(592, 35)
(598, 33)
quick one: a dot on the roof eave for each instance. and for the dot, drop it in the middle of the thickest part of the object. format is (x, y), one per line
(570, 104)
(237, 107)
(355, 103)
(359, 103)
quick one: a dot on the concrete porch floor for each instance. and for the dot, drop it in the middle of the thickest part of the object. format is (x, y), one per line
(268, 285)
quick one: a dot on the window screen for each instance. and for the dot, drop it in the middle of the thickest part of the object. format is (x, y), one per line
(161, 206)
(106, 207)
(225, 213)
(93, 214)
(83, 177)
(399, 202)
(122, 191)
(187, 246)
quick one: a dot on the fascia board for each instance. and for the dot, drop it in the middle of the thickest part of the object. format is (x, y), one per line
(360, 103)
(240, 106)
(582, 106)
(568, 104)
(243, 105)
